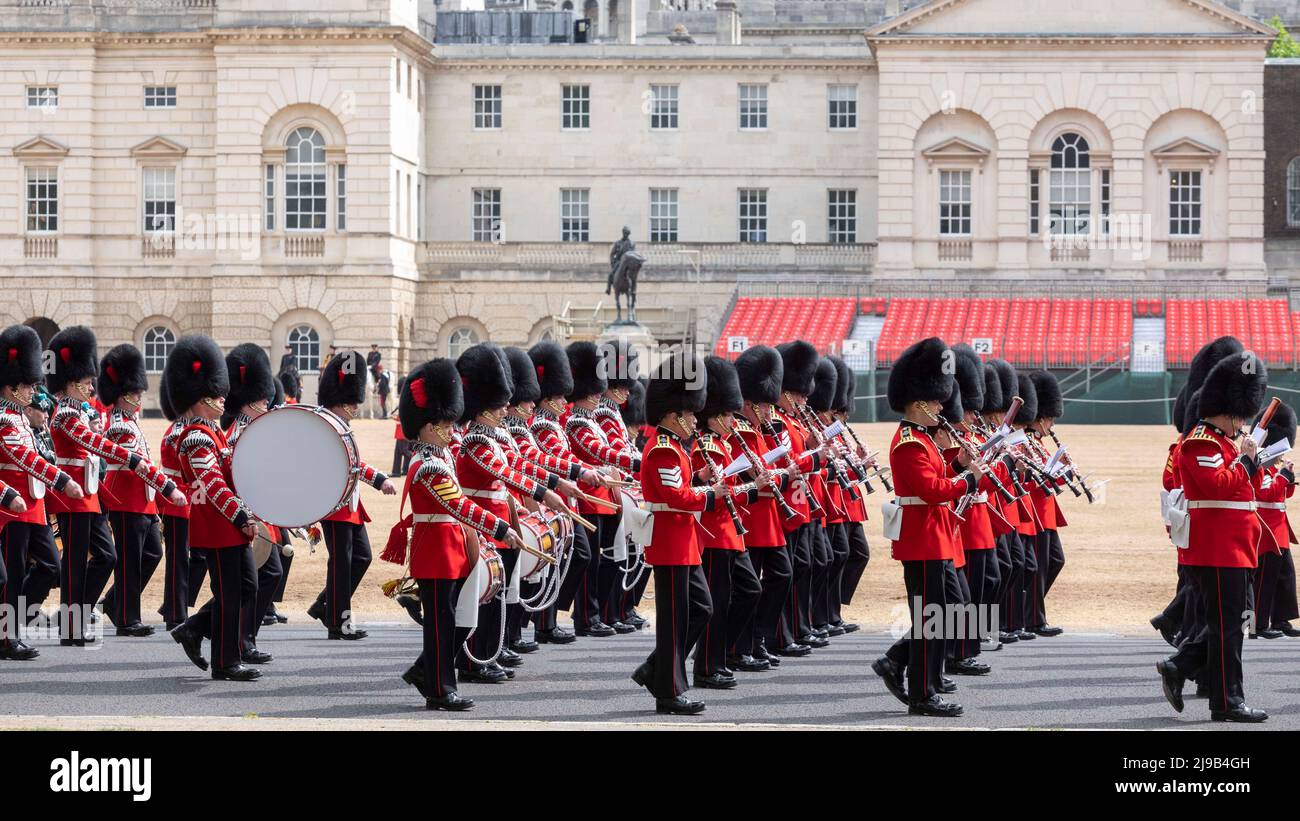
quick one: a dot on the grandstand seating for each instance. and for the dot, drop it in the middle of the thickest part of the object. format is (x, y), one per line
(1030, 332)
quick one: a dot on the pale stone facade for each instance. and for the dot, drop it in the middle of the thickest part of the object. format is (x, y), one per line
(388, 122)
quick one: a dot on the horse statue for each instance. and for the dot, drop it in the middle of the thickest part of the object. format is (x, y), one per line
(624, 282)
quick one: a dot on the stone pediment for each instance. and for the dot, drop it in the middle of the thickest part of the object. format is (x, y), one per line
(1185, 149)
(1054, 19)
(955, 149)
(158, 147)
(40, 148)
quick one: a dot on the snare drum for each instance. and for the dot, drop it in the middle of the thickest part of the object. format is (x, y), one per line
(295, 465)
(491, 575)
(540, 533)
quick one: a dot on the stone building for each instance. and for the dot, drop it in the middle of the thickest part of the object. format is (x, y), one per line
(335, 176)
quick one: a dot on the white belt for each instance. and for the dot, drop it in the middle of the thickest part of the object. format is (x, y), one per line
(906, 501)
(172, 472)
(76, 463)
(500, 495)
(980, 498)
(660, 507)
(116, 466)
(1222, 505)
(1271, 505)
(432, 518)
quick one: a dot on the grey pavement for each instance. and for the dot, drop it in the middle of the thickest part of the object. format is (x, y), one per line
(1071, 681)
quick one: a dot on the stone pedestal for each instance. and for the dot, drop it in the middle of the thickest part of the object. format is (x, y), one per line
(635, 336)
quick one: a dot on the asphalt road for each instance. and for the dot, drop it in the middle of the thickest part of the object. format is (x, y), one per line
(1071, 681)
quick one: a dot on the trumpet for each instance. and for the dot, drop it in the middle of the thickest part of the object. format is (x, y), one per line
(799, 476)
(757, 463)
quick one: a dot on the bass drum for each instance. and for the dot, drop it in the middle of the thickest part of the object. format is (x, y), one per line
(545, 534)
(295, 465)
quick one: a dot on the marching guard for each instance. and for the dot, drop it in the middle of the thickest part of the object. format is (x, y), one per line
(622, 370)
(89, 553)
(25, 474)
(850, 538)
(220, 526)
(43, 559)
(1275, 592)
(921, 525)
(1221, 542)
(177, 572)
(682, 602)
(441, 529)
(1048, 553)
(342, 391)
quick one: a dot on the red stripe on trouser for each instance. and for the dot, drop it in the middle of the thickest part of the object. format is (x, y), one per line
(218, 610)
(125, 568)
(437, 641)
(673, 608)
(925, 655)
(1223, 658)
(708, 625)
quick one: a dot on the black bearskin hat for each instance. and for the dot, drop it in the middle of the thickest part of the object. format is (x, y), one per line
(680, 384)
(1051, 405)
(952, 409)
(761, 372)
(969, 377)
(1282, 427)
(165, 399)
(20, 356)
(992, 390)
(290, 384)
(250, 376)
(587, 368)
(922, 372)
(1235, 387)
(845, 385)
(1025, 390)
(121, 371)
(277, 397)
(800, 361)
(825, 386)
(723, 389)
(1206, 358)
(342, 381)
(633, 410)
(75, 357)
(431, 393)
(1008, 380)
(1191, 411)
(195, 370)
(551, 364)
(1180, 409)
(620, 363)
(524, 377)
(484, 380)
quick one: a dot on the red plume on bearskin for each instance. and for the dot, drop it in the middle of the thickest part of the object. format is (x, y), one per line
(78, 357)
(121, 371)
(22, 365)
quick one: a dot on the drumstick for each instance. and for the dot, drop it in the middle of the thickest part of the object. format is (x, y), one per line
(575, 517)
(595, 500)
(609, 480)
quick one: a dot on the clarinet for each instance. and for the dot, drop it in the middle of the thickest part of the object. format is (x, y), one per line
(976, 456)
(757, 463)
(813, 505)
(716, 473)
(1087, 491)
(813, 423)
(883, 478)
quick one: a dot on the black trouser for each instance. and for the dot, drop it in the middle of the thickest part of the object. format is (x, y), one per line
(14, 537)
(233, 581)
(88, 559)
(1265, 587)
(349, 551)
(286, 562)
(800, 543)
(1224, 595)
(823, 556)
(269, 576)
(546, 620)
(442, 639)
(1050, 558)
(856, 565)
(1028, 582)
(921, 654)
(194, 582)
(629, 598)
(1013, 595)
(600, 570)
(1176, 610)
(1003, 550)
(734, 590)
(1284, 601)
(771, 565)
(956, 592)
(176, 569)
(484, 641)
(838, 534)
(982, 582)
(139, 550)
(43, 568)
(682, 611)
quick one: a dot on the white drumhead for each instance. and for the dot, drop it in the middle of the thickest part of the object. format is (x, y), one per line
(290, 467)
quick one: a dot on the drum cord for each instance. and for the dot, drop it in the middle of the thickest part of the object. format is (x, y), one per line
(501, 639)
(639, 569)
(550, 591)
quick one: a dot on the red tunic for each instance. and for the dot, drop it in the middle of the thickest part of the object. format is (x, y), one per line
(528, 448)
(924, 488)
(439, 509)
(588, 442)
(124, 491)
(488, 472)
(762, 517)
(792, 433)
(1272, 488)
(77, 447)
(171, 467)
(667, 489)
(22, 467)
(216, 513)
(1210, 470)
(720, 530)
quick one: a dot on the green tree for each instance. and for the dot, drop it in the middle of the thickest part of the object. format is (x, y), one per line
(1285, 45)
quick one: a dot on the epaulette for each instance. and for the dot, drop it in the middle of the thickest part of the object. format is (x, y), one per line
(905, 436)
(743, 424)
(63, 411)
(709, 443)
(196, 439)
(117, 429)
(1201, 433)
(663, 440)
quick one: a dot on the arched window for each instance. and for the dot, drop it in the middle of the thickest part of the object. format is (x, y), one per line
(1070, 194)
(304, 181)
(157, 344)
(460, 340)
(1293, 193)
(305, 342)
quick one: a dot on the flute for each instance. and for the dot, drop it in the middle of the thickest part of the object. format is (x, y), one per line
(716, 474)
(757, 464)
(799, 476)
